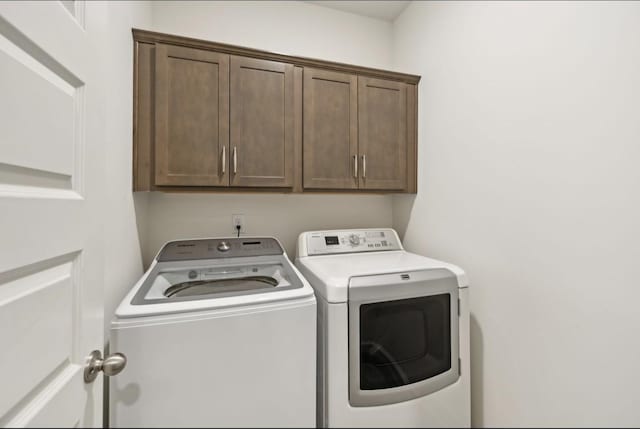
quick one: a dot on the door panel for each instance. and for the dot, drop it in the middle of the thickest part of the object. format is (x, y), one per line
(51, 186)
(50, 291)
(36, 81)
(330, 130)
(262, 127)
(192, 117)
(382, 134)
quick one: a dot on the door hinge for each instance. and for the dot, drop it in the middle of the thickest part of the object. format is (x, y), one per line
(458, 307)
(459, 367)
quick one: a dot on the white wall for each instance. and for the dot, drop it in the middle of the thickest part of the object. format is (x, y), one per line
(287, 27)
(529, 179)
(292, 28)
(123, 209)
(284, 216)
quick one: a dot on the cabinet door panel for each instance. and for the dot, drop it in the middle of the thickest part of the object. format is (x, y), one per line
(192, 117)
(382, 134)
(262, 123)
(330, 130)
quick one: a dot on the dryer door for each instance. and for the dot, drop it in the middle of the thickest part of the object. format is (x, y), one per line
(403, 336)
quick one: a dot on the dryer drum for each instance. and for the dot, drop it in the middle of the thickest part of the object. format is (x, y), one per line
(215, 286)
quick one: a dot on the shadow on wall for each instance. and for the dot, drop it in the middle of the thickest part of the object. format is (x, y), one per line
(402, 210)
(402, 207)
(477, 377)
(141, 208)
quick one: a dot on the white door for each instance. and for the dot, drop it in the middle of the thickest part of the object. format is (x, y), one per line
(51, 186)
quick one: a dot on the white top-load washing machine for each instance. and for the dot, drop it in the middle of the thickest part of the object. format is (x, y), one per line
(393, 332)
(218, 332)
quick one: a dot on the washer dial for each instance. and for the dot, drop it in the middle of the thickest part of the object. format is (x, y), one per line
(354, 239)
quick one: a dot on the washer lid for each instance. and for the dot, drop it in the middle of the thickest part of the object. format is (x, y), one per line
(330, 275)
(185, 286)
(195, 280)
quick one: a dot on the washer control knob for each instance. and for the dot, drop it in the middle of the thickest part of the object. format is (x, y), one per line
(223, 246)
(354, 239)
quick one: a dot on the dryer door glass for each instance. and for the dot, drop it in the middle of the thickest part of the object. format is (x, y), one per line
(403, 336)
(404, 341)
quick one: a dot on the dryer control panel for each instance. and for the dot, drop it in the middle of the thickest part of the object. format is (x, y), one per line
(349, 241)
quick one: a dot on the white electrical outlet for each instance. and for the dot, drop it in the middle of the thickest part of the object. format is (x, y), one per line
(238, 220)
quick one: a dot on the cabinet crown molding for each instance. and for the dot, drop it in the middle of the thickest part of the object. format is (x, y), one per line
(145, 36)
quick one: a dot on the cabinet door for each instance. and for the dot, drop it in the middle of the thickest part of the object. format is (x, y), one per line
(262, 127)
(382, 134)
(192, 117)
(330, 130)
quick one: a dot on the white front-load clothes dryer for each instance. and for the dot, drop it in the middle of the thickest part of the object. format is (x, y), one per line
(393, 332)
(217, 333)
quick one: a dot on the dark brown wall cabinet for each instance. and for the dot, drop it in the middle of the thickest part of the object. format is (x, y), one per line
(262, 131)
(191, 117)
(209, 116)
(330, 142)
(355, 132)
(382, 133)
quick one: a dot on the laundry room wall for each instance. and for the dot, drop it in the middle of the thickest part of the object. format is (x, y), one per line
(125, 212)
(529, 131)
(294, 28)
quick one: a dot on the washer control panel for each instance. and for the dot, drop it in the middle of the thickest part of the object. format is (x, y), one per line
(351, 241)
(214, 248)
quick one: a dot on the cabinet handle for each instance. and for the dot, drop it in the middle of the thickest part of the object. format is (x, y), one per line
(355, 166)
(224, 161)
(364, 166)
(235, 160)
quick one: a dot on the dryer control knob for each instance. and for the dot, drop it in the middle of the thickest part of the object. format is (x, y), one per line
(223, 246)
(354, 239)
